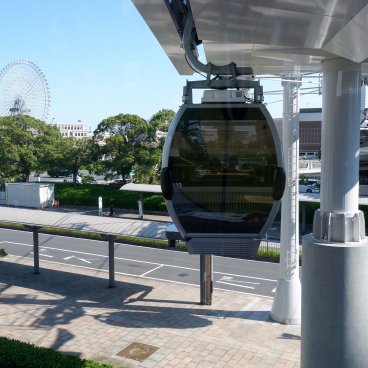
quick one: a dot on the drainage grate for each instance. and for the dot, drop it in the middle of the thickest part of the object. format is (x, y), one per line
(137, 351)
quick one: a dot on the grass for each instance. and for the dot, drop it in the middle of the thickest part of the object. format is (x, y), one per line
(270, 253)
(18, 354)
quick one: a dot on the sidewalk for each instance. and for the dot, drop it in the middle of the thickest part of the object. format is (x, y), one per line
(274, 231)
(77, 219)
(118, 212)
(71, 310)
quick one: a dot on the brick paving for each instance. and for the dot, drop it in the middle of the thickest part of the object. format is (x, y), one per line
(72, 310)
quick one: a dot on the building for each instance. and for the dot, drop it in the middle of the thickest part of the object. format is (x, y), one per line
(78, 130)
(310, 124)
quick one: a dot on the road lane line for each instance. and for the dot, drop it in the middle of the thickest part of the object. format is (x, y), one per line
(242, 286)
(90, 254)
(248, 277)
(152, 278)
(145, 262)
(154, 269)
(43, 255)
(81, 259)
(9, 242)
(240, 282)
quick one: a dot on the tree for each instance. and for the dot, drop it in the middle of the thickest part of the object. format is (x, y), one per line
(132, 142)
(160, 123)
(125, 137)
(132, 127)
(9, 154)
(77, 154)
(26, 145)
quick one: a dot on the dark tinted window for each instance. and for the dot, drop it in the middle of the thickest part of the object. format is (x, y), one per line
(222, 162)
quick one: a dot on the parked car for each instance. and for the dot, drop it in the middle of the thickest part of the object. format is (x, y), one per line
(119, 182)
(308, 189)
(55, 173)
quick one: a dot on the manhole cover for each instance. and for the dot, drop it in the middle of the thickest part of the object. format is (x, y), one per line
(137, 351)
(182, 274)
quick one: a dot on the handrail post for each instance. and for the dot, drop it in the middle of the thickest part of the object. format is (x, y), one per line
(36, 253)
(111, 262)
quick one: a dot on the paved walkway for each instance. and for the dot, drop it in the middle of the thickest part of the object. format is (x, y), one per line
(71, 310)
(81, 221)
(118, 212)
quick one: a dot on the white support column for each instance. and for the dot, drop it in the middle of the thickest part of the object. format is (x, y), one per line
(286, 304)
(335, 256)
(339, 218)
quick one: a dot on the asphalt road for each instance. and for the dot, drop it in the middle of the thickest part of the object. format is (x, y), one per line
(244, 276)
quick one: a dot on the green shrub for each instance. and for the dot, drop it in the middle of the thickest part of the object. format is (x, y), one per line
(87, 179)
(3, 253)
(87, 195)
(270, 253)
(17, 354)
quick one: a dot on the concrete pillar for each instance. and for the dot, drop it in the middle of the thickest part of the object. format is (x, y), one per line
(335, 256)
(286, 303)
(206, 279)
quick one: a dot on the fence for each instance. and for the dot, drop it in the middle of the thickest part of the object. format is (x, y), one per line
(270, 244)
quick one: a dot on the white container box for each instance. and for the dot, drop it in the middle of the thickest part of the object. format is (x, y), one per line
(32, 195)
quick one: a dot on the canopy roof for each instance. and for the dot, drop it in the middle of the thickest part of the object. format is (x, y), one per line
(272, 36)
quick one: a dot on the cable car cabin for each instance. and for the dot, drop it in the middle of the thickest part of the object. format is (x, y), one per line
(222, 176)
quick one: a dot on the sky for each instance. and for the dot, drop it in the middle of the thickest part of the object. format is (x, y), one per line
(100, 59)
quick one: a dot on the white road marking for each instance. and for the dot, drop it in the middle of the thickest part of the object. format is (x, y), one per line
(242, 286)
(227, 278)
(248, 277)
(44, 255)
(274, 290)
(153, 269)
(153, 278)
(81, 259)
(228, 275)
(9, 242)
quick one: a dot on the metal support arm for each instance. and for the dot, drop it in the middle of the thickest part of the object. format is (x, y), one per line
(209, 68)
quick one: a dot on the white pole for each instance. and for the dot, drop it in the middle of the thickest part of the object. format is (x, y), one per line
(286, 304)
(335, 257)
(100, 206)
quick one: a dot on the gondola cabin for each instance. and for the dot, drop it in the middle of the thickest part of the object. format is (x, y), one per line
(222, 176)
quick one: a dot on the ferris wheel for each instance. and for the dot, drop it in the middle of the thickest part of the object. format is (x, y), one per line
(24, 90)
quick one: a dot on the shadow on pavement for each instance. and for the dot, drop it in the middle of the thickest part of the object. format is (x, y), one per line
(67, 296)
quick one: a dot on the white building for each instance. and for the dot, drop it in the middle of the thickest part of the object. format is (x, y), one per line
(78, 130)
